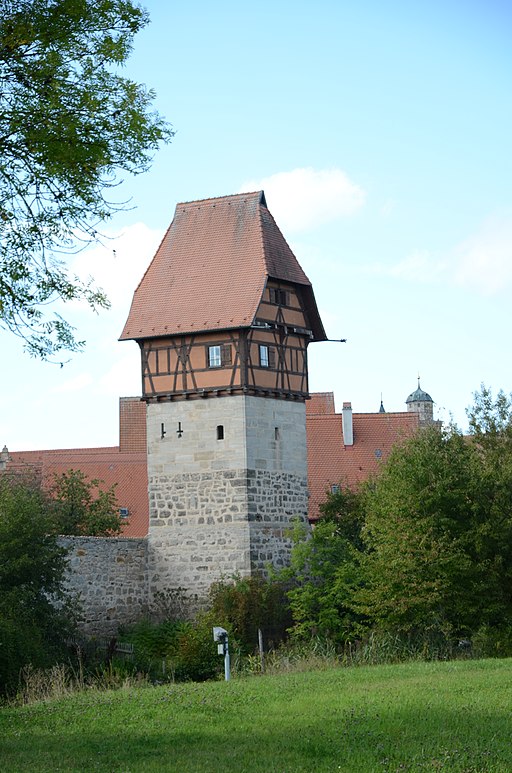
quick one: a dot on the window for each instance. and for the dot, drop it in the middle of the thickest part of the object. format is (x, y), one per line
(220, 432)
(219, 355)
(214, 360)
(267, 356)
(335, 489)
(278, 296)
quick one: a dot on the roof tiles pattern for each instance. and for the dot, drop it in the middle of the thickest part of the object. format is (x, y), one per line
(128, 471)
(210, 270)
(330, 462)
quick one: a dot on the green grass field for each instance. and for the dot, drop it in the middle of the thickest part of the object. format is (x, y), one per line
(454, 716)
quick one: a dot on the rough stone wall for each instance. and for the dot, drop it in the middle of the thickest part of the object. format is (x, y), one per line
(198, 530)
(276, 501)
(110, 577)
(221, 502)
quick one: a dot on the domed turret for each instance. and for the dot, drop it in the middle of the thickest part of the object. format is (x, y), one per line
(420, 402)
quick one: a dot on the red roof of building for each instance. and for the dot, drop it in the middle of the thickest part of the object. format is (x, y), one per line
(211, 268)
(127, 471)
(124, 465)
(331, 462)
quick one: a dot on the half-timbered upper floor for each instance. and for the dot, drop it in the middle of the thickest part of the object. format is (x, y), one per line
(224, 307)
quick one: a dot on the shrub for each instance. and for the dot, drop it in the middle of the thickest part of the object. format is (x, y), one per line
(246, 604)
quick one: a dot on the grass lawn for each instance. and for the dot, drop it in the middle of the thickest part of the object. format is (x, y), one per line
(453, 716)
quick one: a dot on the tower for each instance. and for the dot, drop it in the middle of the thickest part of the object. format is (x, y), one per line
(223, 317)
(421, 403)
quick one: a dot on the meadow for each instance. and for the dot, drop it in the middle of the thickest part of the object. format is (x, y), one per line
(451, 716)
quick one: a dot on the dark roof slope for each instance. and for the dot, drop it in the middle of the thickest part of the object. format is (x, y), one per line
(210, 270)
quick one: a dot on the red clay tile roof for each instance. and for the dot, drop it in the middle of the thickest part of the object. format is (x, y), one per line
(210, 270)
(132, 425)
(320, 402)
(127, 470)
(331, 462)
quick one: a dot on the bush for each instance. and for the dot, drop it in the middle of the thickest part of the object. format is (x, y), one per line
(182, 651)
(246, 604)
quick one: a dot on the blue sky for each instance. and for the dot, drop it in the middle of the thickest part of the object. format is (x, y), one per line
(381, 134)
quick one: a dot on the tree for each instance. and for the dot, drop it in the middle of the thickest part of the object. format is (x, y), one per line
(81, 507)
(35, 614)
(70, 126)
(438, 529)
(324, 570)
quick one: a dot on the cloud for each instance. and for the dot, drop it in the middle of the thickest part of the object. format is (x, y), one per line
(305, 198)
(484, 260)
(118, 264)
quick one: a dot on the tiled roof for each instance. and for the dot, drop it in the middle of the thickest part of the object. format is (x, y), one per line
(320, 402)
(211, 268)
(127, 470)
(331, 462)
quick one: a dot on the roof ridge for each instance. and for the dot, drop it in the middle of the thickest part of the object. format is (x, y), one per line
(220, 198)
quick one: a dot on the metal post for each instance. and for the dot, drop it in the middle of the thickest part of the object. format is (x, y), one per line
(227, 669)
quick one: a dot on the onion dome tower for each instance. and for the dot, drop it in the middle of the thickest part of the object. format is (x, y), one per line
(421, 403)
(223, 317)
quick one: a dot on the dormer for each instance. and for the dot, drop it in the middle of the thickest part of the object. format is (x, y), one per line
(224, 307)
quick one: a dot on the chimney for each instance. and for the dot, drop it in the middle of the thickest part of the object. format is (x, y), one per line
(348, 431)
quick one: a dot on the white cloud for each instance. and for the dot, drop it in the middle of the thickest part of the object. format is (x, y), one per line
(305, 198)
(119, 263)
(484, 261)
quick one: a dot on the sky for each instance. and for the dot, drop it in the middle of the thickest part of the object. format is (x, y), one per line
(381, 133)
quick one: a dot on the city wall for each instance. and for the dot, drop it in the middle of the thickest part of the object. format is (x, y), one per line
(109, 575)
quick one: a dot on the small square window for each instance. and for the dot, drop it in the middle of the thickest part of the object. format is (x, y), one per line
(278, 296)
(219, 355)
(335, 489)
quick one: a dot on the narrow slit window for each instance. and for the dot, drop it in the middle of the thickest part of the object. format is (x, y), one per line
(220, 431)
(264, 358)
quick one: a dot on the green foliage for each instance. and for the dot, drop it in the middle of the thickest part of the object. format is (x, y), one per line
(246, 604)
(438, 529)
(70, 126)
(176, 650)
(35, 616)
(81, 506)
(422, 553)
(324, 571)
